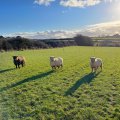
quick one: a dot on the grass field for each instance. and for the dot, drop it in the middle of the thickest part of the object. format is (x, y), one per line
(35, 92)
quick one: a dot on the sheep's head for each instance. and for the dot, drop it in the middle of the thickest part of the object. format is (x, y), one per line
(92, 59)
(14, 57)
(52, 58)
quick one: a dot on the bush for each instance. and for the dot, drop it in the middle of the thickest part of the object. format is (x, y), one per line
(83, 40)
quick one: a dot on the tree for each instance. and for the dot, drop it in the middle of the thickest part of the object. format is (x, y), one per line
(1, 37)
(6, 46)
(83, 40)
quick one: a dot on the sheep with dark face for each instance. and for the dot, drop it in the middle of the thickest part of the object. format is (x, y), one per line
(95, 63)
(56, 62)
(18, 60)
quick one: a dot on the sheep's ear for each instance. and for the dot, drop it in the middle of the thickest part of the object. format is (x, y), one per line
(14, 56)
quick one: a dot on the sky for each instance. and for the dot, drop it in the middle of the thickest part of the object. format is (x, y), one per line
(59, 18)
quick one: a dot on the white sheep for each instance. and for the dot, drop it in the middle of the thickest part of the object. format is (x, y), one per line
(95, 63)
(56, 62)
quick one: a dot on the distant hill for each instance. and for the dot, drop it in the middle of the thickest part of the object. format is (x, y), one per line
(116, 36)
(113, 36)
(113, 40)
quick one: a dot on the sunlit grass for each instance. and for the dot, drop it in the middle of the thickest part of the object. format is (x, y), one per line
(36, 92)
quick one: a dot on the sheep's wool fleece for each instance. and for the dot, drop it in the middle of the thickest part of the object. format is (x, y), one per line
(97, 62)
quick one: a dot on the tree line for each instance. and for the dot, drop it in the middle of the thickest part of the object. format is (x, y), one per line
(20, 43)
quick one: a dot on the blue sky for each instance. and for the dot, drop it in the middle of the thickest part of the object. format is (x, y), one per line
(38, 18)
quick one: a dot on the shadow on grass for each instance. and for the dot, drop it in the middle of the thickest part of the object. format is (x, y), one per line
(40, 76)
(6, 70)
(86, 79)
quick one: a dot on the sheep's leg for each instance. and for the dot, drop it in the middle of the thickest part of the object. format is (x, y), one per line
(92, 69)
(18, 63)
(96, 69)
(16, 66)
(19, 66)
(53, 67)
(22, 64)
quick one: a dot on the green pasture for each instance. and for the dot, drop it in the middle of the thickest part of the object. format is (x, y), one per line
(36, 92)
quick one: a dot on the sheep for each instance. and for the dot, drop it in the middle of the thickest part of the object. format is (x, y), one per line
(56, 62)
(18, 60)
(95, 63)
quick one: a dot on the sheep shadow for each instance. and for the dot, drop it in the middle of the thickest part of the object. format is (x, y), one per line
(86, 79)
(39, 76)
(6, 70)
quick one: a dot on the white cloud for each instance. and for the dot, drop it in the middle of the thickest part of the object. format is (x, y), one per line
(73, 3)
(108, 28)
(46, 34)
(43, 2)
(79, 3)
(82, 3)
